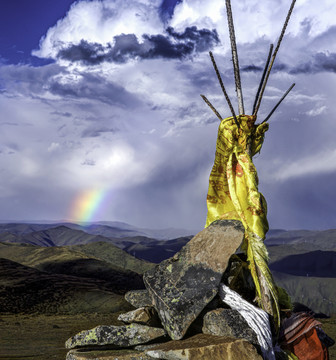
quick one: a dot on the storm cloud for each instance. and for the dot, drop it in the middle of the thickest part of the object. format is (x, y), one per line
(172, 45)
(320, 62)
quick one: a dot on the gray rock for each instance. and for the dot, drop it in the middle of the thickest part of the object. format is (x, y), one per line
(123, 336)
(228, 322)
(146, 315)
(205, 347)
(180, 287)
(106, 355)
(138, 298)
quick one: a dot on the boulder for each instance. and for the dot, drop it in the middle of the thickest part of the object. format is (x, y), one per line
(206, 347)
(123, 336)
(228, 322)
(180, 287)
(146, 315)
(138, 298)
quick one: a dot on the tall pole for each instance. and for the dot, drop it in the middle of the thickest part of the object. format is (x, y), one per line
(274, 55)
(223, 89)
(235, 58)
(278, 103)
(262, 78)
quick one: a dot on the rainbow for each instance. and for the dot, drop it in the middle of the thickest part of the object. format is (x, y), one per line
(86, 205)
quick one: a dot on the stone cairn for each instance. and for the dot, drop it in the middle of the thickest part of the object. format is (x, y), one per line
(180, 315)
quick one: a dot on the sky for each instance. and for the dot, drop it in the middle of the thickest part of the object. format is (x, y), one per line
(102, 119)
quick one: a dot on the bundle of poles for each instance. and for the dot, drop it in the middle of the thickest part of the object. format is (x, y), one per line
(265, 292)
(266, 73)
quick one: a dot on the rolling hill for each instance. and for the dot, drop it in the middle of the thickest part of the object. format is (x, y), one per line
(302, 261)
(27, 290)
(67, 280)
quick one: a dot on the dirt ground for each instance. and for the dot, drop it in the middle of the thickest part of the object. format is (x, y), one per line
(42, 337)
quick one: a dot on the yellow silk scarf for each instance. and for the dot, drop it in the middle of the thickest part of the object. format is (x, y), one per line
(233, 193)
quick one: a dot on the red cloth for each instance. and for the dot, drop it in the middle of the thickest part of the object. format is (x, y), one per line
(299, 335)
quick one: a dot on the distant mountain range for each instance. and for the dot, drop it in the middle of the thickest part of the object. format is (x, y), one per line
(115, 229)
(115, 255)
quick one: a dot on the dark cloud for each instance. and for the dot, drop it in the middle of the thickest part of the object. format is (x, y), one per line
(95, 87)
(321, 62)
(97, 132)
(172, 45)
(203, 39)
(88, 162)
(60, 113)
(251, 68)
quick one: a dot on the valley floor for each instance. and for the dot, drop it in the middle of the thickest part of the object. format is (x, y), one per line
(42, 337)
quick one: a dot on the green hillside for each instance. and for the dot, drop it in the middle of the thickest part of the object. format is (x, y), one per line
(317, 293)
(39, 257)
(108, 252)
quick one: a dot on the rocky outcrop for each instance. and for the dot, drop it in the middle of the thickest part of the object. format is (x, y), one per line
(122, 336)
(181, 287)
(205, 347)
(228, 322)
(180, 290)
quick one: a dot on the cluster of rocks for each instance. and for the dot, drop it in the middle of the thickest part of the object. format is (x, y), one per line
(179, 315)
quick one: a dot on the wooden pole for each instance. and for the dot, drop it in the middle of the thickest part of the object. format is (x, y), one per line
(235, 58)
(212, 107)
(279, 102)
(223, 88)
(262, 77)
(274, 55)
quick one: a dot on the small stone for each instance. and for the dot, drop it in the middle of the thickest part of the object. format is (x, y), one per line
(228, 322)
(123, 336)
(182, 286)
(205, 347)
(146, 315)
(138, 298)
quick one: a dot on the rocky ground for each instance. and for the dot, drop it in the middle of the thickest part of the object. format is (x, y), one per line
(42, 337)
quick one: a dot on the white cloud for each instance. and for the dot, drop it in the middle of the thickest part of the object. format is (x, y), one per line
(320, 163)
(98, 22)
(317, 111)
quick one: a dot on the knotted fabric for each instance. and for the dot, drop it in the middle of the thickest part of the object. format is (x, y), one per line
(233, 193)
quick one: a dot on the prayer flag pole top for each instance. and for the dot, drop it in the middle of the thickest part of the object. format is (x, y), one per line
(265, 75)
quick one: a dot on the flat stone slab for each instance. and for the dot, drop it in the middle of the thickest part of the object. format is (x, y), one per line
(123, 336)
(228, 322)
(180, 287)
(138, 298)
(146, 315)
(206, 347)
(107, 355)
